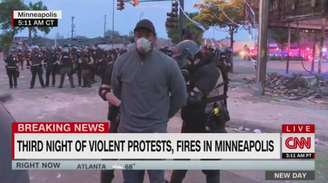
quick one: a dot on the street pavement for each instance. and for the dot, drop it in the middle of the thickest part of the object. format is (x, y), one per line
(248, 113)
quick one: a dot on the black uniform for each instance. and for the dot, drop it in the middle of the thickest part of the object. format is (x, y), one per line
(85, 64)
(66, 68)
(36, 68)
(93, 66)
(101, 67)
(196, 115)
(51, 58)
(21, 59)
(113, 116)
(77, 67)
(12, 71)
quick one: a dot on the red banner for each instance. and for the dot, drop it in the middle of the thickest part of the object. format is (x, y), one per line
(60, 127)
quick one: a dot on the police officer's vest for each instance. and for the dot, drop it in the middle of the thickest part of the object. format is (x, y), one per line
(66, 60)
(218, 95)
(11, 63)
(36, 59)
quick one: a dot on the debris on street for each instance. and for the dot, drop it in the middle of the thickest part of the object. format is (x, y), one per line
(296, 87)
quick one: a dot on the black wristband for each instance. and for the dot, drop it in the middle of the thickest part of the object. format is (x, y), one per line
(102, 92)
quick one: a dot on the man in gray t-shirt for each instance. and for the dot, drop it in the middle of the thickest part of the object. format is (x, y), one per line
(151, 89)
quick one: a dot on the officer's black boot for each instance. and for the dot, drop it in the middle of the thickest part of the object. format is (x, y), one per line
(47, 78)
(15, 80)
(70, 77)
(10, 83)
(62, 77)
(79, 76)
(40, 77)
(10, 79)
(53, 78)
(33, 79)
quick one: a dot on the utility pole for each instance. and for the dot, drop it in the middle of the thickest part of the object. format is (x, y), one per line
(181, 18)
(72, 27)
(113, 25)
(322, 43)
(288, 49)
(263, 46)
(313, 50)
(105, 22)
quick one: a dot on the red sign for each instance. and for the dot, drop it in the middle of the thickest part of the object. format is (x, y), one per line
(298, 128)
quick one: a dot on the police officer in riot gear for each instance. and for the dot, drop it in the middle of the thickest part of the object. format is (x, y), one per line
(51, 59)
(85, 62)
(93, 64)
(77, 66)
(36, 67)
(206, 108)
(20, 58)
(12, 70)
(66, 68)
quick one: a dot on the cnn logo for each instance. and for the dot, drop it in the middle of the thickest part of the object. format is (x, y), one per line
(298, 142)
(298, 138)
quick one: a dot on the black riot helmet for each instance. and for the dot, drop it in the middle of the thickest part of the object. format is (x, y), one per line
(184, 51)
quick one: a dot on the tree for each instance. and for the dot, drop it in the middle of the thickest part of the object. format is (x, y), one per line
(6, 9)
(37, 6)
(8, 32)
(224, 14)
(6, 40)
(173, 34)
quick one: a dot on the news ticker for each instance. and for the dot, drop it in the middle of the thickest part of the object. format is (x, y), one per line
(35, 18)
(69, 144)
(281, 165)
(274, 169)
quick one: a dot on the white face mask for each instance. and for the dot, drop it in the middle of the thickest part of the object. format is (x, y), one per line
(143, 45)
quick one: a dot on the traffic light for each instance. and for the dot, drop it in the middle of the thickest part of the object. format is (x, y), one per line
(175, 7)
(135, 2)
(120, 5)
(171, 22)
(172, 17)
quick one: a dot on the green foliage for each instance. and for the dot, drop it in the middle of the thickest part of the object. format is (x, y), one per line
(37, 6)
(221, 13)
(173, 34)
(6, 9)
(5, 40)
